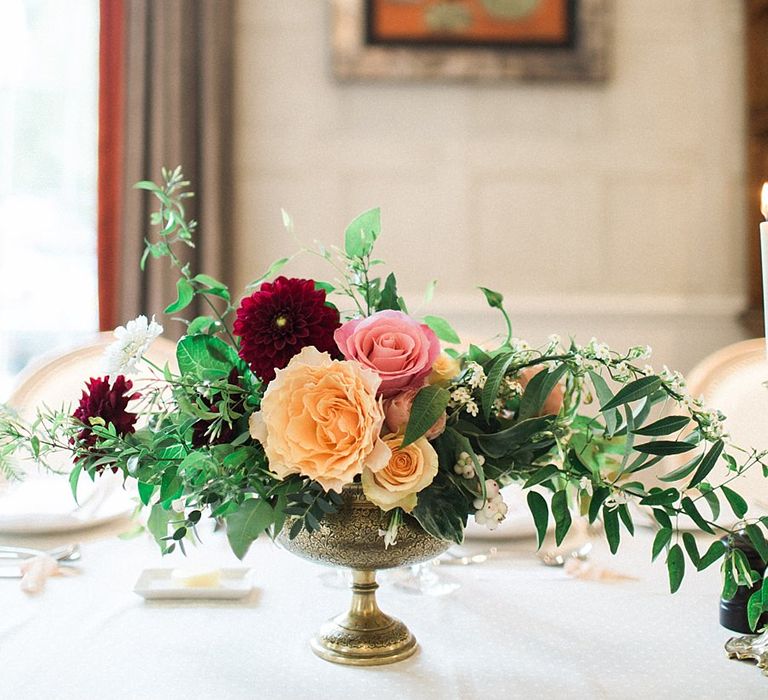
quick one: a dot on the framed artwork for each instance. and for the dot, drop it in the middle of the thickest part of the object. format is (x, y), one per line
(471, 39)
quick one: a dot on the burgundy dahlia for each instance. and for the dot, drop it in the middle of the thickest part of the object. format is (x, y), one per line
(108, 402)
(281, 318)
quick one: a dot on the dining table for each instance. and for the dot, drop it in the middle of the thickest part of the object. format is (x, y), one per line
(502, 626)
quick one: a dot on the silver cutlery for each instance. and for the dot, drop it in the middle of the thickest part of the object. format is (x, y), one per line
(64, 555)
(555, 558)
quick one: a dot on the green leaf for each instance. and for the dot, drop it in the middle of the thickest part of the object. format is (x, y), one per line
(362, 233)
(505, 441)
(662, 518)
(442, 329)
(201, 324)
(737, 503)
(562, 516)
(252, 518)
(730, 587)
(604, 396)
(611, 525)
(689, 507)
(758, 540)
(664, 426)
(170, 486)
(185, 293)
(633, 391)
(684, 471)
(274, 268)
(689, 541)
(430, 403)
(599, 494)
(716, 550)
(157, 523)
(712, 501)
(538, 389)
(626, 518)
(664, 447)
(754, 609)
(675, 567)
(74, 478)
(662, 539)
(538, 506)
(145, 492)
(494, 299)
(707, 464)
(542, 475)
(205, 357)
(493, 382)
(213, 285)
(660, 497)
(442, 510)
(389, 297)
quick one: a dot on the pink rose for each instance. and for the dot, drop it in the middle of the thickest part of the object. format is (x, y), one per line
(400, 350)
(397, 411)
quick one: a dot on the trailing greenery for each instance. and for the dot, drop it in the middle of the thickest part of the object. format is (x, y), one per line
(193, 452)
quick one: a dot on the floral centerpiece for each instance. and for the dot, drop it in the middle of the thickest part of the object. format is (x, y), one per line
(305, 387)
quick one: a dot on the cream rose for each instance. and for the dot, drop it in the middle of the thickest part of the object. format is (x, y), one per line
(444, 369)
(409, 470)
(320, 418)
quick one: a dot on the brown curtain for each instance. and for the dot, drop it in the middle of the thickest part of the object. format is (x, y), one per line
(178, 88)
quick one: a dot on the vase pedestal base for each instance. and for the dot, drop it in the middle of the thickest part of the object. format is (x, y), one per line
(751, 648)
(364, 636)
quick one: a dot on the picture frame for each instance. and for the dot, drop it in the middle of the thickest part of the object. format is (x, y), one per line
(371, 41)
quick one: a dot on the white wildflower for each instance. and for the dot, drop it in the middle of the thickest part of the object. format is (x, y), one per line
(597, 351)
(639, 352)
(177, 505)
(585, 484)
(512, 386)
(471, 407)
(132, 342)
(616, 499)
(475, 376)
(622, 373)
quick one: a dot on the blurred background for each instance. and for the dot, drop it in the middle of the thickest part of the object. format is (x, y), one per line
(622, 208)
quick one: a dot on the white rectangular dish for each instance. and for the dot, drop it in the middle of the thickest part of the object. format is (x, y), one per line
(158, 584)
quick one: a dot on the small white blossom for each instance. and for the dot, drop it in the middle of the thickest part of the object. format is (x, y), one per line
(597, 351)
(622, 373)
(472, 408)
(616, 499)
(640, 352)
(585, 484)
(475, 376)
(177, 505)
(132, 341)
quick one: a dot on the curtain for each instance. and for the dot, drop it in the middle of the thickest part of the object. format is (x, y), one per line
(177, 88)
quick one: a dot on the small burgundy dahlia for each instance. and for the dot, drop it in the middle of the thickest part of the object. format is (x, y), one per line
(108, 402)
(281, 318)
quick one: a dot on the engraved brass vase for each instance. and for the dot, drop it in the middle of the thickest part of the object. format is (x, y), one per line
(364, 635)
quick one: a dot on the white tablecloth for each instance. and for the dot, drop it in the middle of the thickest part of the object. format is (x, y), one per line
(514, 629)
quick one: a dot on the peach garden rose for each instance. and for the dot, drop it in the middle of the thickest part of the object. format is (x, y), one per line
(397, 411)
(320, 418)
(398, 348)
(409, 470)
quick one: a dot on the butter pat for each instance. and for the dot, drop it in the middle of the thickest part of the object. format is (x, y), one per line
(197, 577)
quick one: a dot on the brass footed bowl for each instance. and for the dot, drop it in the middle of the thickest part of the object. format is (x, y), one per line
(363, 636)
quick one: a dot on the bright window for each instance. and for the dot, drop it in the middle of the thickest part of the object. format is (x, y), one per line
(48, 147)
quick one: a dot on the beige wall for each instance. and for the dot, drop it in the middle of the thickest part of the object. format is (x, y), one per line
(613, 210)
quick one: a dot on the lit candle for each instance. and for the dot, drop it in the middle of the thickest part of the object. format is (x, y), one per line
(764, 254)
